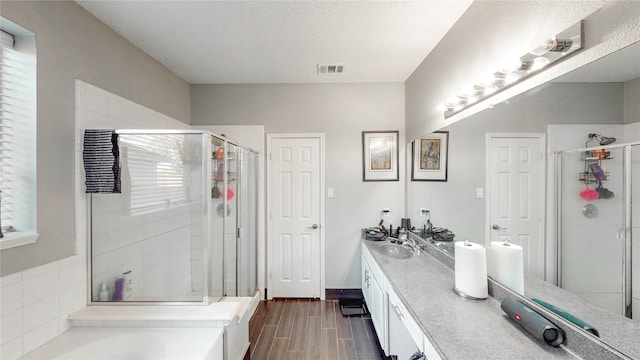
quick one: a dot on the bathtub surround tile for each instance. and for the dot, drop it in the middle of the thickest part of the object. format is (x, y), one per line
(72, 299)
(72, 272)
(11, 298)
(41, 334)
(39, 313)
(40, 286)
(11, 350)
(10, 279)
(11, 327)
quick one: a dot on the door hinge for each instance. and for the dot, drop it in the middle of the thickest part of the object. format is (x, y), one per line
(269, 155)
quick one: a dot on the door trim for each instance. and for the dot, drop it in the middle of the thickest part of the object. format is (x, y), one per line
(319, 136)
(542, 195)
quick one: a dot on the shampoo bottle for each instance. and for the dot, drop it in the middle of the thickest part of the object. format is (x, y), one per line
(103, 295)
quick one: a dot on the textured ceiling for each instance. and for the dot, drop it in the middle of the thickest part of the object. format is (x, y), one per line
(283, 41)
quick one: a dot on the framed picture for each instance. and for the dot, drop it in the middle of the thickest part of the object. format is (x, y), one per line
(380, 156)
(430, 157)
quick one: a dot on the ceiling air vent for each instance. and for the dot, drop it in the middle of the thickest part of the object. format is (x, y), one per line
(330, 69)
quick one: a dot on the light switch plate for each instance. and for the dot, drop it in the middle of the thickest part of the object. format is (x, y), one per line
(479, 193)
(330, 192)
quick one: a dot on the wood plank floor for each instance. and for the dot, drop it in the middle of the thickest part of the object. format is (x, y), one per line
(310, 329)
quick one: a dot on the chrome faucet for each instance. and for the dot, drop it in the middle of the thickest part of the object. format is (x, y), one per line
(412, 244)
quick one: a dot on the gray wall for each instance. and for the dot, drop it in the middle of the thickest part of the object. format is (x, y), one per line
(459, 59)
(72, 44)
(341, 112)
(632, 101)
(453, 203)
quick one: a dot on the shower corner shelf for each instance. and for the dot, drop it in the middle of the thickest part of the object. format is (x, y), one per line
(588, 177)
(593, 156)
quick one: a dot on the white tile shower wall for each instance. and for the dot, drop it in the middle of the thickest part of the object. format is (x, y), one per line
(154, 246)
(36, 302)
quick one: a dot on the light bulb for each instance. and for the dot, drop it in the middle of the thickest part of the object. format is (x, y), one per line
(538, 63)
(543, 48)
(489, 90)
(511, 65)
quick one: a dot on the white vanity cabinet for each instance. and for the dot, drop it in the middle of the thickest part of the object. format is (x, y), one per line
(398, 332)
(373, 285)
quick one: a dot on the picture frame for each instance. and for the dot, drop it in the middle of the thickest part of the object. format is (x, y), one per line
(380, 157)
(430, 157)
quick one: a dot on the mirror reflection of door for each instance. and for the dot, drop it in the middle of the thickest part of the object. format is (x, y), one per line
(515, 203)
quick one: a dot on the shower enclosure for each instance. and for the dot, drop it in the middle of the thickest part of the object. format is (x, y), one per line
(597, 231)
(183, 229)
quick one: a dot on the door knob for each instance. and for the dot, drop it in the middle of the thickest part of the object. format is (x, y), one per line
(497, 227)
(314, 226)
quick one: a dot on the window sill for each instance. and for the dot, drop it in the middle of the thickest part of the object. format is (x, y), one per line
(15, 239)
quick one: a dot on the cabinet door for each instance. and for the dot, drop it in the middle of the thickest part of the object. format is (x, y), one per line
(366, 274)
(405, 336)
(401, 341)
(376, 307)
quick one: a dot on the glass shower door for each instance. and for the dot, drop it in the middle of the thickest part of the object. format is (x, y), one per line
(592, 226)
(247, 221)
(146, 242)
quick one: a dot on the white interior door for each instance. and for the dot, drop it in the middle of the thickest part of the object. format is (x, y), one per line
(295, 216)
(515, 205)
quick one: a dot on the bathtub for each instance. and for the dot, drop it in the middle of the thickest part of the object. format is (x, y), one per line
(133, 343)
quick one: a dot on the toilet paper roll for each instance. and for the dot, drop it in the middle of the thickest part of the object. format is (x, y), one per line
(505, 265)
(470, 270)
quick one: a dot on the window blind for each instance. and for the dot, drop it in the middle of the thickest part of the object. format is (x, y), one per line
(17, 136)
(154, 166)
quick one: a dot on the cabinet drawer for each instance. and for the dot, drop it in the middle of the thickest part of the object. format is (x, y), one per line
(412, 327)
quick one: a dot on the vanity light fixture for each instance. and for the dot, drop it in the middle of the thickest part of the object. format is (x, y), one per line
(536, 60)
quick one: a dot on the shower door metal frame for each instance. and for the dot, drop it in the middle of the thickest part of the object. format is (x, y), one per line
(205, 292)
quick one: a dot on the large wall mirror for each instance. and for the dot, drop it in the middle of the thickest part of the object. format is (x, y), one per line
(577, 256)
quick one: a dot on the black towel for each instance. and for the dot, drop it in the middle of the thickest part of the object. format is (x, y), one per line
(101, 157)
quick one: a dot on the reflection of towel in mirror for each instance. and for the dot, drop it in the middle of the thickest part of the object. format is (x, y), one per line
(101, 157)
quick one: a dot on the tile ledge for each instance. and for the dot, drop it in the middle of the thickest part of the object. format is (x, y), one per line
(97, 315)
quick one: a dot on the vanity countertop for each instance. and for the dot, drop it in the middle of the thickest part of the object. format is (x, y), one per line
(458, 328)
